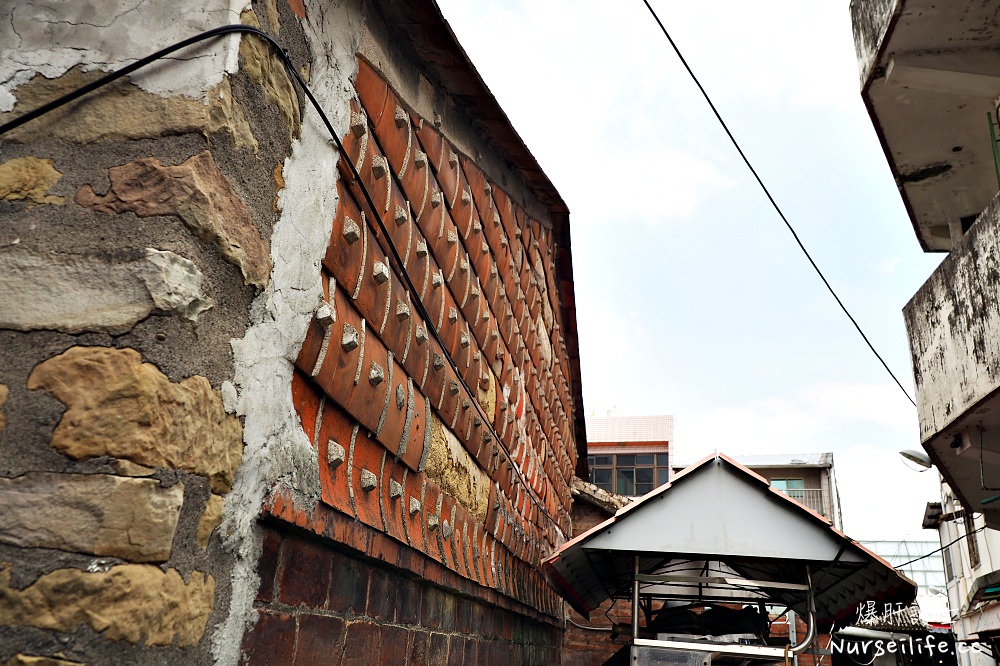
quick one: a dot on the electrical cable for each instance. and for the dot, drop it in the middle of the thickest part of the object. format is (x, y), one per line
(934, 552)
(588, 628)
(774, 204)
(290, 68)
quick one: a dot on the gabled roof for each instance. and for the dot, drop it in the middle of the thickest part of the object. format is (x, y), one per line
(719, 511)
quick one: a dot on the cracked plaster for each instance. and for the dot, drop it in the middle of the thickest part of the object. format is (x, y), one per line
(48, 37)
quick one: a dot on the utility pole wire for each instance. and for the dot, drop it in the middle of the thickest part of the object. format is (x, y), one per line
(774, 204)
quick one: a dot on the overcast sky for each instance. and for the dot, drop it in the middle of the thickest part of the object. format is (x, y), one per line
(692, 298)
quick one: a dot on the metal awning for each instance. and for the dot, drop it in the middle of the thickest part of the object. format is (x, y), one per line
(736, 538)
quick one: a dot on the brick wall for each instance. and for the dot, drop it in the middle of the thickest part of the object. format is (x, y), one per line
(353, 609)
(583, 647)
(461, 479)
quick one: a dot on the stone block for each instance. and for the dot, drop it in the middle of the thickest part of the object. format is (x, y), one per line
(451, 466)
(131, 602)
(29, 179)
(99, 514)
(32, 660)
(78, 293)
(210, 519)
(198, 193)
(125, 111)
(121, 407)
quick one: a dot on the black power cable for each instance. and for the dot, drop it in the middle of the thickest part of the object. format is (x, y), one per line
(935, 552)
(290, 68)
(774, 204)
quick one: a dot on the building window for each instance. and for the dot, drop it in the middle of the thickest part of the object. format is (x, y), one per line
(632, 474)
(794, 488)
(971, 540)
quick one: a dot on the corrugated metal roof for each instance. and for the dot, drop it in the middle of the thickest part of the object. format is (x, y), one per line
(718, 510)
(775, 460)
(630, 428)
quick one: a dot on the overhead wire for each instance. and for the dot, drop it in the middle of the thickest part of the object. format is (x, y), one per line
(220, 31)
(938, 550)
(774, 203)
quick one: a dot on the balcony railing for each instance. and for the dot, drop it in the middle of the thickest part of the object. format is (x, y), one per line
(810, 497)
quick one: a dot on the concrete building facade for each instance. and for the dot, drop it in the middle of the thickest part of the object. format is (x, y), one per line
(929, 80)
(263, 401)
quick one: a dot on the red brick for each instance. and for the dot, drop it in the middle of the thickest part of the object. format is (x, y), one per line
(448, 505)
(432, 608)
(395, 646)
(412, 560)
(361, 647)
(271, 641)
(368, 455)
(408, 598)
(418, 648)
(432, 494)
(437, 650)
(394, 473)
(321, 640)
(382, 588)
(456, 651)
(338, 427)
(267, 566)
(304, 574)
(384, 548)
(372, 90)
(415, 521)
(349, 584)
(472, 651)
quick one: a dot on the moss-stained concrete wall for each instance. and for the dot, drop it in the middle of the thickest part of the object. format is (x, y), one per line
(204, 342)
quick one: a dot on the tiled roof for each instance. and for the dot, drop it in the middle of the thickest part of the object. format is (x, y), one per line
(630, 428)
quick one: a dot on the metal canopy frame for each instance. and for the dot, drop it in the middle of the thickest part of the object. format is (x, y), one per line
(726, 583)
(718, 533)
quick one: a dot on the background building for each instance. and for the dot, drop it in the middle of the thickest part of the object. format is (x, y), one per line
(972, 577)
(257, 407)
(629, 455)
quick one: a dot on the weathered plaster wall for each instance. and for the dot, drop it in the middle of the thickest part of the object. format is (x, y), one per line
(870, 19)
(953, 323)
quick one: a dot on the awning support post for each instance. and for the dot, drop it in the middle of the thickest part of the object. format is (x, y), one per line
(635, 599)
(796, 650)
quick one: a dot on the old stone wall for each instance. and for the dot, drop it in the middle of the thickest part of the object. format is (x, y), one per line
(203, 327)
